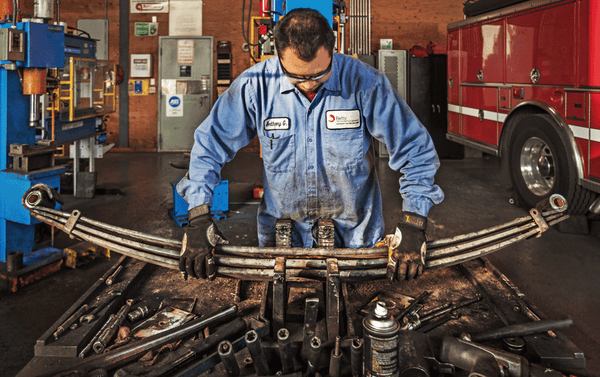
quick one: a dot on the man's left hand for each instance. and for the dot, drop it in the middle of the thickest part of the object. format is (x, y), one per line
(408, 246)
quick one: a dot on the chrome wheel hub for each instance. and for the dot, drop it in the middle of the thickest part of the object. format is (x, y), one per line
(537, 166)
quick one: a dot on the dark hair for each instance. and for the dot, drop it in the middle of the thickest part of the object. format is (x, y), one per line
(306, 31)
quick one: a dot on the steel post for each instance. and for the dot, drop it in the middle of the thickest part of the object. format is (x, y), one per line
(279, 294)
(285, 351)
(333, 302)
(227, 356)
(259, 359)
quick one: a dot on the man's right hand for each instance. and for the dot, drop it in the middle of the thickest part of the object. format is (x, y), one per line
(196, 246)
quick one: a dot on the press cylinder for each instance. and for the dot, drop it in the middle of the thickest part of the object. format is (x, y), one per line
(43, 9)
(380, 348)
(34, 81)
(14, 261)
(265, 8)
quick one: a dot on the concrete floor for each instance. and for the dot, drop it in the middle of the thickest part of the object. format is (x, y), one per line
(558, 272)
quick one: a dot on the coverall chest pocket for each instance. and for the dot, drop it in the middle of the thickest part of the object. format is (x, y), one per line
(343, 149)
(279, 153)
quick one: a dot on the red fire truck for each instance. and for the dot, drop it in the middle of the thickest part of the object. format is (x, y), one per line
(524, 85)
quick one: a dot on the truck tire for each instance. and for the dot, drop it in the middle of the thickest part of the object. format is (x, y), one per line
(539, 165)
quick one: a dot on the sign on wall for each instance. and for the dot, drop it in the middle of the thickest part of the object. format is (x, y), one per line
(185, 51)
(139, 87)
(185, 18)
(146, 29)
(175, 105)
(149, 6)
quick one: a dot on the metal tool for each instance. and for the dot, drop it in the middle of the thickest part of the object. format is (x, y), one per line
(237, 293)
(314, 354)
(227, 356)
(417, 357)
(259, 360)
(70, 321)
(197, 368)
(91, 343)
(137, 314)
(112, 328)
(485, 361)
(335, 361)
(100, 303)
(110, 280)
(120, 356)
(285, 351)
(412, 305)
(430, 325)
(412, 362)
(190, 351)
(356, 357)
(522, 329)
(311, 311)
(425, 313)
(413, 322)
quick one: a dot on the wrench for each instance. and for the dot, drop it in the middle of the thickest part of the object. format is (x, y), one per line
(101, 302)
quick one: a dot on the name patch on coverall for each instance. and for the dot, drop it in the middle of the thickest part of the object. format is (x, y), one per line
(277, 124)
(343, 119)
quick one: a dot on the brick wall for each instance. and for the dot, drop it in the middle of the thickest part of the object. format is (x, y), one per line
(408, 23)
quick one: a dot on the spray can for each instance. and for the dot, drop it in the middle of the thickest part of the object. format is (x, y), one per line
(380, 333)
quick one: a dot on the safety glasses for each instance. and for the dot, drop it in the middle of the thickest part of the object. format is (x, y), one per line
(299, 78)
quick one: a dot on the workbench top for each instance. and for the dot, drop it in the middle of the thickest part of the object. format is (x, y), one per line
(500, 304)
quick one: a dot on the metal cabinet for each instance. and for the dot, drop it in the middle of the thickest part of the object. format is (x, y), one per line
(186, 95)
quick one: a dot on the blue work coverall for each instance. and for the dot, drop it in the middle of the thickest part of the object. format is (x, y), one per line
(317, 157)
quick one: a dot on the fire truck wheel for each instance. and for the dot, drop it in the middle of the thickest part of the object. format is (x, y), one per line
(539, 165)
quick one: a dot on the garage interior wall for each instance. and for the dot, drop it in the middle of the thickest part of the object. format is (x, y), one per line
(407, 23)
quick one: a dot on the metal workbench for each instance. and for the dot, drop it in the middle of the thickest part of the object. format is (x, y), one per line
(501, 304)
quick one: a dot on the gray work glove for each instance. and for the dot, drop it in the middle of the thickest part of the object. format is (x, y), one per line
(201, 236)
(408, 243)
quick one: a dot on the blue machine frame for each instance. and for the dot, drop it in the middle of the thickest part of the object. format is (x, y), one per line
(44, 48)
(323, 7)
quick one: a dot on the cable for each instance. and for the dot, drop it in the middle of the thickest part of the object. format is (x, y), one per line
(81, 31)
(247, 34)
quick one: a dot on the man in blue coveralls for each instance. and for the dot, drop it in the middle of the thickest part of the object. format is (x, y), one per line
(315, 113)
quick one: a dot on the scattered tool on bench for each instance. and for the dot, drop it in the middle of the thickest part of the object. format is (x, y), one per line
(115, 358)
(521, 329)
(415, 321)
(100, 303)
(481, 360)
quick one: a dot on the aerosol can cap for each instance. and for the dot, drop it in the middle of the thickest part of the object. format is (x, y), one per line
(380, 319)
(381, 310)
